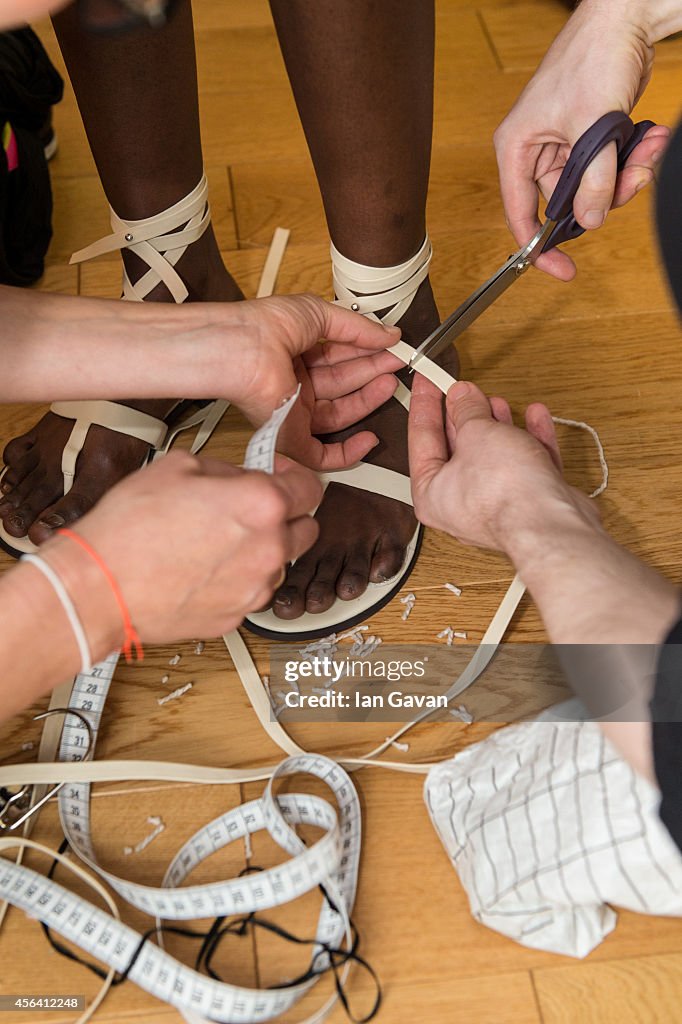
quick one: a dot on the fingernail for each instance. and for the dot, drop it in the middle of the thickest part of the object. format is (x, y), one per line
(593, 219)
(656, 157)
(460, 390)
(53, 521)
(642, 184)
(391, 330)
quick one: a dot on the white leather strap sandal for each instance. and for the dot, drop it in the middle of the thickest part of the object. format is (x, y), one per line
(367, 290)
(159, 241)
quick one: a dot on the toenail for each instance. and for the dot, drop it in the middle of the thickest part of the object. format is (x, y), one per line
(283, 600)
(16, 521)
(53, 521)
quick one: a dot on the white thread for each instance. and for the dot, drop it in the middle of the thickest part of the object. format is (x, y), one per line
(175, 660)
(446, 634)
(68, 606)
(461, 713)
(175, 694)
(453, 589)
(144, 843)
(409, 602)
(398, 746)
(600, 451)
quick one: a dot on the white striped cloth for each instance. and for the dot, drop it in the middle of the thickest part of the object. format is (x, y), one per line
(546, 825)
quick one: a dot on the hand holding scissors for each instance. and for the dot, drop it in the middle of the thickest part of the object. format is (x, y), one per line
(560, 226)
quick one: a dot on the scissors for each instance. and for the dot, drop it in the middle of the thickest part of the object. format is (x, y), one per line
(560, 226)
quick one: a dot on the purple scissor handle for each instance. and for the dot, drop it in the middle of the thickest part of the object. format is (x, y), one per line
(560, 226)
(614, 127)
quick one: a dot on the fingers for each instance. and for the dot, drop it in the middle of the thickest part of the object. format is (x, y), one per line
(540, 425)
(520, 199)
(341, 324)
(465, 402)
(517, 184)
(595, 194)
(501, 411)
(301, 535)
(639, 169)
(427, 444)
(329, 353)
(334, 455)
(557, 264)
(202, 465)
(342, 377)
(330, 416)
(300, 488)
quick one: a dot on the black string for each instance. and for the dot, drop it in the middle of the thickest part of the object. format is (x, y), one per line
(239, 927)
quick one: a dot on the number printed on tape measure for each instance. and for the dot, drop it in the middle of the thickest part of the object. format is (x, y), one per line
(36, 1001)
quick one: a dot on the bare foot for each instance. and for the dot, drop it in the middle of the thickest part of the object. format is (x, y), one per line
(32, 500)
(363, 536)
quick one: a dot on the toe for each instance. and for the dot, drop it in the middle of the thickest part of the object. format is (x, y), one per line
(16, 449)
(387, 561)
(63, 512)
(24, 504)
(321, 592)
(354, 576)
(289, 600)
(18, 469)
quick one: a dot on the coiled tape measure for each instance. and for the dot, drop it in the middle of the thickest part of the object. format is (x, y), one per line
(331, 863)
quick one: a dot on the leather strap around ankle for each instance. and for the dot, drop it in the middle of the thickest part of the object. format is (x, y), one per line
(369, 289)
(160, 241)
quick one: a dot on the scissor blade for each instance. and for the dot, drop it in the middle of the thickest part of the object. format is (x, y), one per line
(471, 308)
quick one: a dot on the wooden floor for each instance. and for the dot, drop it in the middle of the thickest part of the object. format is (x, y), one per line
(605, 349)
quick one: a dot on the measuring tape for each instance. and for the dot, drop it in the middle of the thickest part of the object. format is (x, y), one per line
(331, 863)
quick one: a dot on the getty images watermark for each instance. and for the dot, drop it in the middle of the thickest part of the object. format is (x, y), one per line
(346, 681)
(361, 682)
(329, 672)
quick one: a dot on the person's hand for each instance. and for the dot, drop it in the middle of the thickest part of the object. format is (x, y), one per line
(194, 544)
(477, 476)
(343, 379)
(601, 61)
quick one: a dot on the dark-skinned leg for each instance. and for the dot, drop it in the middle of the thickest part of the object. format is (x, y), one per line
(137, 93)
(362, 76)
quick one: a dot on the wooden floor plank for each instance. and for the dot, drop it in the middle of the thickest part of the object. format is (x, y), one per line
(646, 989)
(542, 20)
(604, 349)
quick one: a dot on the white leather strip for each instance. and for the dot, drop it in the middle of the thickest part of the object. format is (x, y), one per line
(369, 289)
(160, 241)
(402, 395)
(114, 417)
(71, 451)
(105, 414)
(375, 479)
(436, 374)
(268, 278)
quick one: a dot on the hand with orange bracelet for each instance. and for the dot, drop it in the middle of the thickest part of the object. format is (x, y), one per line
(192, 546)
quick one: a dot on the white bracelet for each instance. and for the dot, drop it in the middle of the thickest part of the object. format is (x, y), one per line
(68, 606)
